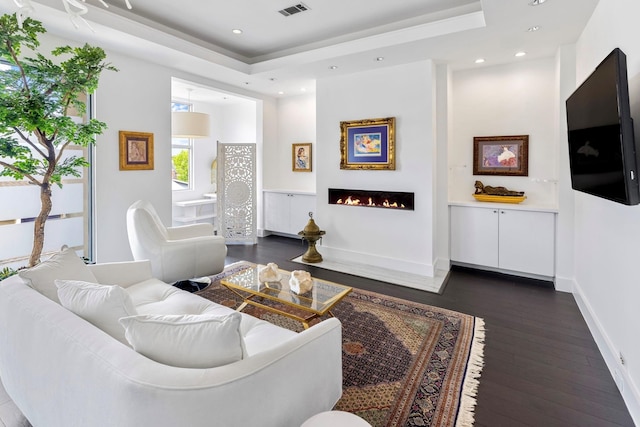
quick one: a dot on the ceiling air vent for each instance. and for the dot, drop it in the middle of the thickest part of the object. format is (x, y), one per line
(292, 10)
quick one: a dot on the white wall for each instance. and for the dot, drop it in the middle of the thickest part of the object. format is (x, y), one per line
(607, 233)
(137, 98)
(444, 126)
(389, 238)
(296, 124)
(565, 233)
(268, 143)
(238, 123)
(513, 99)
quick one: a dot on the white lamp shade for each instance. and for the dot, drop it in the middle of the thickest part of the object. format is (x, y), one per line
(187, 124)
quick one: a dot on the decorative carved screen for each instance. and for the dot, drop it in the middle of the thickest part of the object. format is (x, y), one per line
(237, 193)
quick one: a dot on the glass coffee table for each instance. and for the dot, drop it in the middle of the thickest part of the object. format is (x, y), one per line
(302, 307)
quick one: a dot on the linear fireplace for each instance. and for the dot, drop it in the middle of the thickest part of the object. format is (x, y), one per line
(371, 199)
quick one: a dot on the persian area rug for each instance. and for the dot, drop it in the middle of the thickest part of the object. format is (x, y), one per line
(404, 363)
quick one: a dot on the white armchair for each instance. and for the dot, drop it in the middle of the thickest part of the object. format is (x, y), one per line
(175, 253)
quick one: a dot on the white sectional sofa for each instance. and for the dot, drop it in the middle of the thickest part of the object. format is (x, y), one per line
(61, 370)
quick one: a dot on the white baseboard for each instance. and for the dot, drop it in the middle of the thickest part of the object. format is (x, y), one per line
(564, 284)
(442, 264)
(265, 233)
(628, 389)
(503, 271)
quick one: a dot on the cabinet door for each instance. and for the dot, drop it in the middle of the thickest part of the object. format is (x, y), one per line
(474, 235)
(527, 241)
(276, 212)
(301, 205)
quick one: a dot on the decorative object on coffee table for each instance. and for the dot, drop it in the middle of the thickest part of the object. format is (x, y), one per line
(269, 273)
(487, 193)
(311, 233)
(300, 282)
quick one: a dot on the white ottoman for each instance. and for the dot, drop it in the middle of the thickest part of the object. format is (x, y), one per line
(335, 419)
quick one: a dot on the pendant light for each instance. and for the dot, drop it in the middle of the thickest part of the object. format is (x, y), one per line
(189, 124)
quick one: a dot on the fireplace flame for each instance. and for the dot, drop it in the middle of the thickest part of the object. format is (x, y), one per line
(351, 201)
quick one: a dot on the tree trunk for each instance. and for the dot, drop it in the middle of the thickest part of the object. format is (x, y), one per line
(38, 226)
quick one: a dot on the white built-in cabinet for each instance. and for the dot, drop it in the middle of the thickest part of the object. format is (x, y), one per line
(287, 212)
(514, 239)
(198, 210)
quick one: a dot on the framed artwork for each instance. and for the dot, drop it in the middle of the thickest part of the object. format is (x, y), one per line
(368, 144)
(501, 155)
(301, 157)
(136, 150)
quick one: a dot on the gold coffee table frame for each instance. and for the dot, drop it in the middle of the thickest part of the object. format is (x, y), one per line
(303, 308)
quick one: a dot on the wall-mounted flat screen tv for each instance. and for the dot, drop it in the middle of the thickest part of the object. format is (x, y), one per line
(603, 155)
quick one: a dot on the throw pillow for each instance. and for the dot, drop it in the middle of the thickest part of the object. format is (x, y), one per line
(64, 265)
(187, 341)
(101, 305)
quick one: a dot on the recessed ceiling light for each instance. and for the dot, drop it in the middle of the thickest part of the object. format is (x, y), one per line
(479, 60)
(303, 89)
(536, 2)
(236, 31)
(380, 58)
(518, 54)
(281, 93)
(333, 67)
(533, 29)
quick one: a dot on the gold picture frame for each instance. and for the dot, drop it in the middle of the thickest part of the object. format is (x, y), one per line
(301, 157)
(368, 144)
(136, 150)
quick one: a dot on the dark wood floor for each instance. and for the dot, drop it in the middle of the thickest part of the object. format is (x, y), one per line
(542, 366)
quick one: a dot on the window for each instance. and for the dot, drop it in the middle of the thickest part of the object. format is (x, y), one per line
(181, 156)
(70, 222)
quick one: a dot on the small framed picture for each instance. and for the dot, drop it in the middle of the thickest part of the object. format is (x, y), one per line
(368, 144)
(136, 150)
(501, 155)
(301, 157)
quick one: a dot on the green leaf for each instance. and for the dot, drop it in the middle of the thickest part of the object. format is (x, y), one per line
(13, 37)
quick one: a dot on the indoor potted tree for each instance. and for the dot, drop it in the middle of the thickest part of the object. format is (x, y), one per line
(36, 95)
